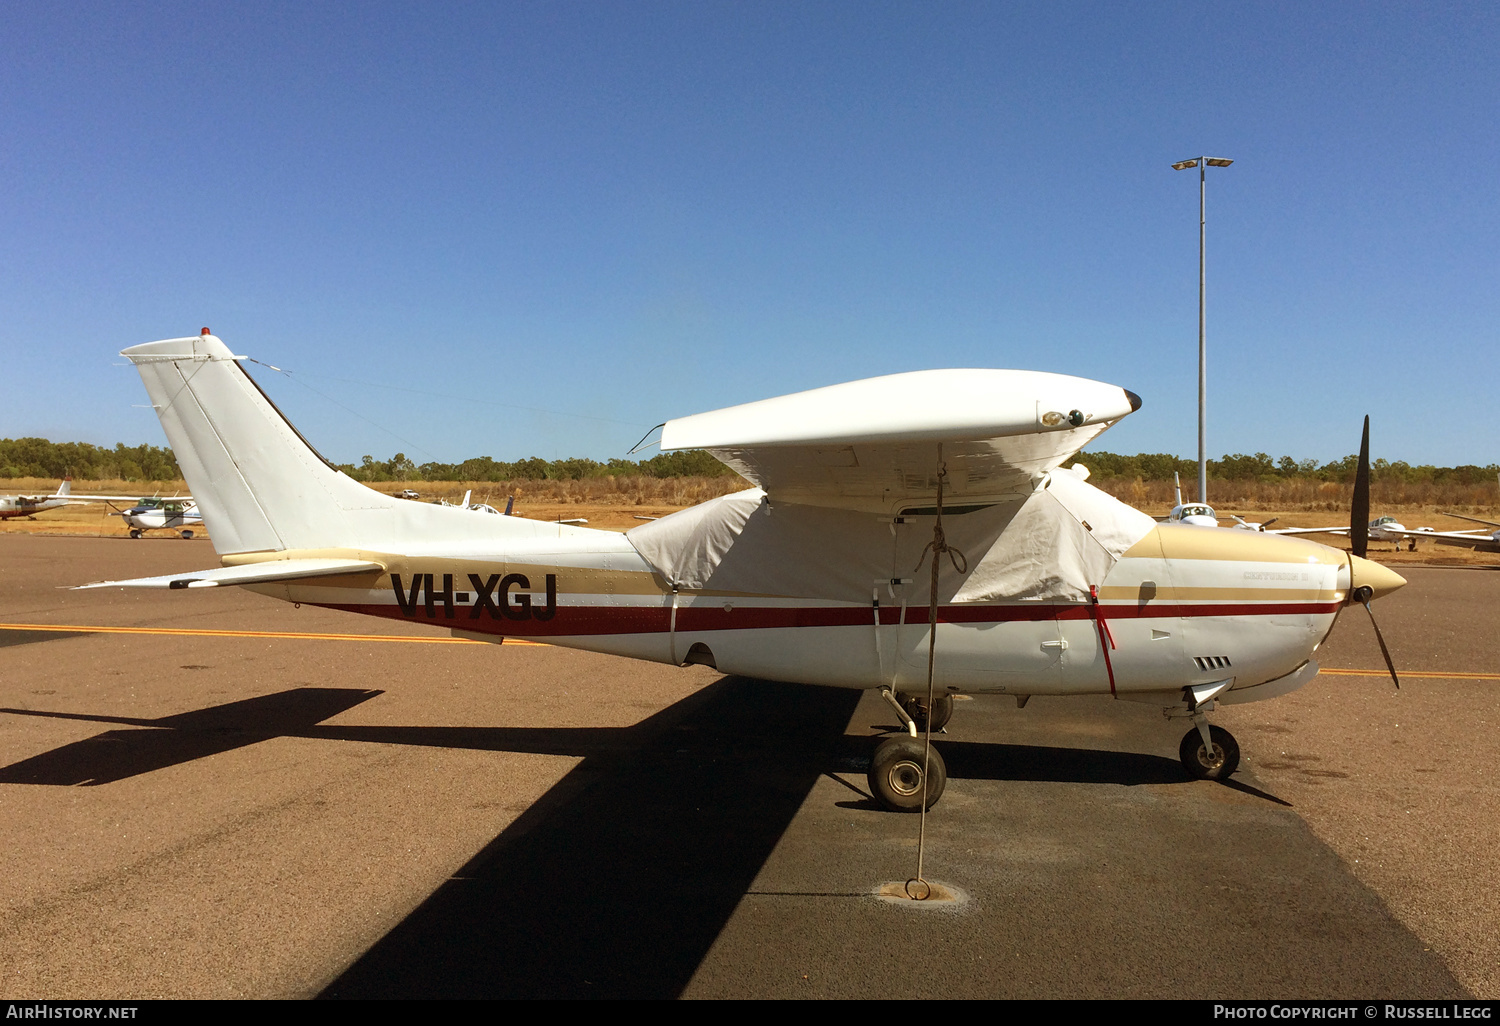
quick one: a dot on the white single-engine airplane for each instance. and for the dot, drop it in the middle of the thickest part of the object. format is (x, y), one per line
(179, 513)
(31, 505)
(1042, 584)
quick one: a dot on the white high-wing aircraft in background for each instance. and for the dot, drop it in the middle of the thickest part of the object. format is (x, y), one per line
(884, 506)
(31, 505)
(153, 513)
(148, 514)
(180, 515)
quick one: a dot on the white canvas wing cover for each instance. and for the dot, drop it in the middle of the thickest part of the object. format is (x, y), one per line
(1050, 544)
(1067, 536)
(848, 478)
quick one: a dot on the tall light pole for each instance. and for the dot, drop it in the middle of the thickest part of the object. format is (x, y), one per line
(1202, 164)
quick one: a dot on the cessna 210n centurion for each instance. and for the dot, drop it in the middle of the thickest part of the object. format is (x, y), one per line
(1041, 583)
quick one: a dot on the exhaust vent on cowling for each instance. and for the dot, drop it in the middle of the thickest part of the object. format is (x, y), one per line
(1212, 662)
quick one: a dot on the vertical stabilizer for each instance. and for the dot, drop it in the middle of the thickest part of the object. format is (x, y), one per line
(258, 483)
(259, 486)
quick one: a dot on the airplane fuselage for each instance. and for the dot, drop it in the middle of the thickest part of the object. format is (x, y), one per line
(20, 506)
(1172, 613)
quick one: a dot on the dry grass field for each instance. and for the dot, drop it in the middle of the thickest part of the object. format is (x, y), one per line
(620, 503)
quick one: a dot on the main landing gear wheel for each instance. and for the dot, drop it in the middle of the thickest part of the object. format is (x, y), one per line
(188, 535)
(1200, 764)
(896, 775)
(135, 532)
(916, 708)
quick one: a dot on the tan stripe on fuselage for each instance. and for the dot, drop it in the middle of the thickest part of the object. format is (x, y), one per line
(1162, 594)
(1179, 541)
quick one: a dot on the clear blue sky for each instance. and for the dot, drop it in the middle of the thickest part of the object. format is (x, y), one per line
(539, 229)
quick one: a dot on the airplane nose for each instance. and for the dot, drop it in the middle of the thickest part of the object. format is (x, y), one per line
(1366, 573)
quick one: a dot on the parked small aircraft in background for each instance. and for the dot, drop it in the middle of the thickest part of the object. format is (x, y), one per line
(31, 505)
(152, 513)
(1037, 582)
(1380, 529)
(1480, 541)
(1194, 514)
(1241, 524)
(147, 514)
(180, 515)
(509, 511)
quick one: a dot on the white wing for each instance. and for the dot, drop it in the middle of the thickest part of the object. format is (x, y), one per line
(873, 444)
(1484, 538)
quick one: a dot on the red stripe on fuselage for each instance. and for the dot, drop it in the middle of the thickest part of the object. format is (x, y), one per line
(579, 621)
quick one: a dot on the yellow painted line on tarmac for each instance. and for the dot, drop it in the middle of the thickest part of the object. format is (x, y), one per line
(198, 632)
(1409, 673)
(409, 639)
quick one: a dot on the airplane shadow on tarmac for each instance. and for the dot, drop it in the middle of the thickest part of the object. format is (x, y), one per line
(616, 882)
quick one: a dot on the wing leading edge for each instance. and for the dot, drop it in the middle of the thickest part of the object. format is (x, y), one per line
(873, 444)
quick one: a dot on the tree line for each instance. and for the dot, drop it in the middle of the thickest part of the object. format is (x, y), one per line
(1262, 468)
(400, 467)
(37, 457)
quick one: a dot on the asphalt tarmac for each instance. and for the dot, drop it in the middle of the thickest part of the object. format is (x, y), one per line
(235, 815)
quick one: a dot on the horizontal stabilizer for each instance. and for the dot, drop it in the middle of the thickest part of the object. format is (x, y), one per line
(252, 573)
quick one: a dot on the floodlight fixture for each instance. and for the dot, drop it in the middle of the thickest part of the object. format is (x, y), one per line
(1183, 165)
(1218, 161)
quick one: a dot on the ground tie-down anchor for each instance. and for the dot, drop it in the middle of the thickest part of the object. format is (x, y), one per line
(917, 888)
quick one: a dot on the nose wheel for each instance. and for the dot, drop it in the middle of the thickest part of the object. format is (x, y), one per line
(916, 708)
(896, 774)
(1211, 758)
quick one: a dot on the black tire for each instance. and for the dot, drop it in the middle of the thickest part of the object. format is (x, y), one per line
(135, 532)
(896, 775)
(188, 535)
(1197, 762)
(916, 708)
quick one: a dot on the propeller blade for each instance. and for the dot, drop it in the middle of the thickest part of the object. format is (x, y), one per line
(1359, 509)
(1389, 665)
(1268, 523)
